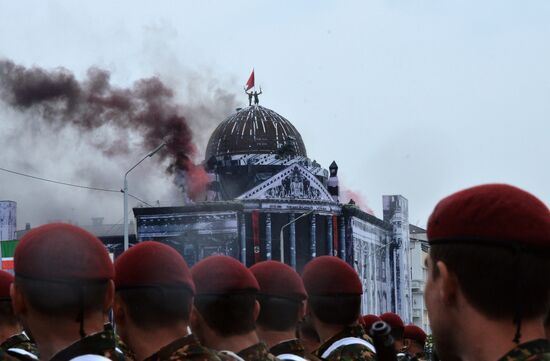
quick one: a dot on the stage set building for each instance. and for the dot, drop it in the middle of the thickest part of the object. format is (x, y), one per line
(267, 199)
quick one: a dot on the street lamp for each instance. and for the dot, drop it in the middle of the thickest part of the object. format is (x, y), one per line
(125, 191)
(281, 235)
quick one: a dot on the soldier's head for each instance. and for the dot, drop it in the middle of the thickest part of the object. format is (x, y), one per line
(8, 321)
(397, 328)
(334, 291)
(154, 289)
(489, 257)
(225, 299)
(281, 296)
(367, 321)
(63, 275)
(414, 339)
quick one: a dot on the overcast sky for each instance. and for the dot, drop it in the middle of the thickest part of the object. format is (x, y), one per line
(419, 98)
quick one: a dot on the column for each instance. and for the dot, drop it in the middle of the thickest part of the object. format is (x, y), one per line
(329, 236)
(342, 230)
(243, 239)
(268, 240)
(313, 237)
(291, 218)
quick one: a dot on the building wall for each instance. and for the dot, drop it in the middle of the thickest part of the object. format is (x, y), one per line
(396, 212)
(8, 220)
(371, 261)
(419, 251)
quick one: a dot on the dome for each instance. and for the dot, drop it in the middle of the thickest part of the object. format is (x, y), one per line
(255, 130)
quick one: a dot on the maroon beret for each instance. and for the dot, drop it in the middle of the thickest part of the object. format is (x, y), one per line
(393, 320)
(279, 280)
(415, 333)
(218, 275)
(496, 213)
(152, 264)
(329, 275)
(367, 320)
(62, 252)
(6, 279)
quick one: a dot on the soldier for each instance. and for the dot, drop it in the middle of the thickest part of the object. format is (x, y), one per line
(397, 329)
(63, 288)
(282, 306)
(226, 309)
(154, 297)
(334, 302)
(488, 286)
(367, 320)
(414, 340)
(13, 340)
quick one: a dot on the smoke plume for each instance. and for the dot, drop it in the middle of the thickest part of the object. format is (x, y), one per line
(346, 195)
(147, 108)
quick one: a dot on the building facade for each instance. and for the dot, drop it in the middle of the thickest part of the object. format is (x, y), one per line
(266, 199)
(419, 251)
(8, 220)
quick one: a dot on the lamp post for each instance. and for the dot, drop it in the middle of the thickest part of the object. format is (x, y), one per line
(125, 191)
(281, 235)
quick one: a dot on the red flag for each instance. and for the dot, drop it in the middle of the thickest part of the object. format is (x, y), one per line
(250, 82)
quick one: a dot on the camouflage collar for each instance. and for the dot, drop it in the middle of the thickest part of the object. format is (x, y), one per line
(101, 343)
(291, 346)
(528, 351)
(14, 341)
(187, 345)
(348, 331)
(258, 351)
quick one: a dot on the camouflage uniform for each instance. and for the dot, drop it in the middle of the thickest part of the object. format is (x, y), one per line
(185, 348)
(537, 350)
(257, 352)
(294, 347)
(101, 343)
(7, 357)
(119, 343)
(20, 347)
(349, 352)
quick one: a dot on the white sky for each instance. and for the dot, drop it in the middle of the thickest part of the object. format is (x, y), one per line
(419, 98)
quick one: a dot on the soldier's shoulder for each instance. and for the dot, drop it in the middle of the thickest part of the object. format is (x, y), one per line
(537, 350)
(351, 353)
(9, 356)
(195, 352)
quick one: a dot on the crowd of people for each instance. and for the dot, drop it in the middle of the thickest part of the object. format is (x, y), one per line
(487, 294)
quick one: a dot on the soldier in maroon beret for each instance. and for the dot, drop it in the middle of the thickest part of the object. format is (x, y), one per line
(62, 290)
(282, 305)
(397, 329)
(226, 309)
(334, 304)
(367, 320)
(488, 287)
(13, 340)
(414, 340)
(154, 297)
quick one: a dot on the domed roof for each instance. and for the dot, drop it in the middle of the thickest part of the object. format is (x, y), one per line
(255, 130)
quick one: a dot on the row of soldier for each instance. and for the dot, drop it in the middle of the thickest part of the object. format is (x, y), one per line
(488, 295)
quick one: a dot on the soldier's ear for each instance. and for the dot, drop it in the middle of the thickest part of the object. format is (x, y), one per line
(109, 296)
(118, 311)
(448, 284)
(18, 300)
(302, 310)
(256, 310)
(195, 320)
